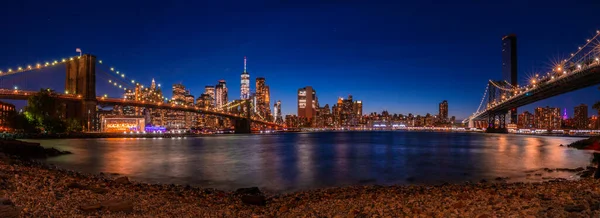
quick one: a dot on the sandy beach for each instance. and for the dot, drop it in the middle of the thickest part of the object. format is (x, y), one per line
(33, 189)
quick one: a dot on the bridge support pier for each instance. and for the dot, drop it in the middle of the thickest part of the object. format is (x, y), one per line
(499, 127)
(242, 126)
(81, 82)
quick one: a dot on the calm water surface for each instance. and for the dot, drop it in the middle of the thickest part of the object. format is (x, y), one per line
(285, 162)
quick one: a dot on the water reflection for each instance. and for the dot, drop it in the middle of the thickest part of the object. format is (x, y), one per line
(312, 160)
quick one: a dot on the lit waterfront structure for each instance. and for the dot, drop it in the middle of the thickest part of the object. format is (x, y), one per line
(547, 118)
(245, 83)
(443, 112)
(221, 94)
(176, 119)
(525, 120)
(580, 116)
(292, 121)
(190, 117)
(6, 109)
(210, 91)
(277, 116)
(117, 123)
(307, 102)
(263, 102)
(324, 117)
(358, 108)
(509, 67)
(151, 94)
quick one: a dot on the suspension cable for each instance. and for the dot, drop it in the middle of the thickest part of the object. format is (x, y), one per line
(483, 98)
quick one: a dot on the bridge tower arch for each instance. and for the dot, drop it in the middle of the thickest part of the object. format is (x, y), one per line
(81, 82)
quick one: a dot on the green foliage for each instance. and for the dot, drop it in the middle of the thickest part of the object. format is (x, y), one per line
(45, 112)
(73, 125)
(19, 121)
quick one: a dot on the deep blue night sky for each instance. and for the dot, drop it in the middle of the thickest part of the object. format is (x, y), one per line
(403, 57)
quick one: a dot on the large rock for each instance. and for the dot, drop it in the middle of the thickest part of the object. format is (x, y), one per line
(254, 200)
(122, 180)
(118, 205)
(28, 149)
(6, 201)
(248, 191)
(574, 208)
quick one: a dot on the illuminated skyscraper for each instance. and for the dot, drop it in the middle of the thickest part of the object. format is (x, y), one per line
(307, 102)
(221, 94)
(245, 83)
(210, 91)
(178, 94)
(581, 116)
(443, 111)
(547, 118)
(277, 116)
(262, 99)
(509, 66)
(176, 119)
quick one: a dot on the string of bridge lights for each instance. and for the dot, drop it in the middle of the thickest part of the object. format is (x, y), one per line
(122, 75)
(483, 98)
(39, 65)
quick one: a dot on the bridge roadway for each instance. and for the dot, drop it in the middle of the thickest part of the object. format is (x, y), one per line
(577, 79)
(24, 95)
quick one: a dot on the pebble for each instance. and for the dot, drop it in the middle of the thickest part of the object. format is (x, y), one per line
(49, 192)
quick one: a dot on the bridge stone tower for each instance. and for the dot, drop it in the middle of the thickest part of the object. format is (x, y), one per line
(81, 82)
(242, 125)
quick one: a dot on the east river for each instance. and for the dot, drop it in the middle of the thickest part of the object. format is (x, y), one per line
(293, 161)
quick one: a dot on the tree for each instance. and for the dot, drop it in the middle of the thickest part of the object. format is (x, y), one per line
(45, 111)
(73, 125)
(596, 106)
(19, 121)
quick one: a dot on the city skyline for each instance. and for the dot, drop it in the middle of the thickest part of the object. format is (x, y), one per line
(303, 56)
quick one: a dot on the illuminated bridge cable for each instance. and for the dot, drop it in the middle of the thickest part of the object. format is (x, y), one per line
(117, 79)
(581, 48)
(483, 98)
(500, 87)
(31, 67)
(120, 74)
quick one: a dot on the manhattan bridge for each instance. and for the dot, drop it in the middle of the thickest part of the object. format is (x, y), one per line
(580, 70)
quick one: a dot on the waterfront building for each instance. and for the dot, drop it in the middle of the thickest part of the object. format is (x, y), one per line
(278, 117)
(443, 112)
(581, 116)
(210, 91)
(525, 120)
(176, 119)
(245, 83)
(6, 111)
(221, 95)
(509, 67)
(190, 117)
(307, 102)
(547, 118)
(120, 123)
(263, 102)
(292, 121)
(358, 110)
(594, 122)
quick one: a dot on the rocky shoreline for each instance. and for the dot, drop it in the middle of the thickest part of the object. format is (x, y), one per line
(33, 189)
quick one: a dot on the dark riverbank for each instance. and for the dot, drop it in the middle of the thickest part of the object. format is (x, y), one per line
(28, 149)
(32, 189)
(104, 135)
